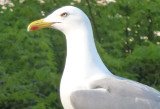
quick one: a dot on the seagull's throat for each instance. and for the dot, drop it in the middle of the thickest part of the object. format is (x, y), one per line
(80, 48)
(82, 60)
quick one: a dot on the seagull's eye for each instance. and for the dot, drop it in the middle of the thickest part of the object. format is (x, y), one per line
(64, 14)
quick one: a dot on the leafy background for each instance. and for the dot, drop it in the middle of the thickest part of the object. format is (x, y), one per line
(31, 63)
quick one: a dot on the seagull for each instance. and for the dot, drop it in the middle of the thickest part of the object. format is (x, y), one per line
(86, 83)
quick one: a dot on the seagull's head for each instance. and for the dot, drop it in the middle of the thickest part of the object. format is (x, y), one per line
(64, 19)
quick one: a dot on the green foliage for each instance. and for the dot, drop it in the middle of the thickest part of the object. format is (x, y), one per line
(31, 64)
(144, 61)
(28, 65)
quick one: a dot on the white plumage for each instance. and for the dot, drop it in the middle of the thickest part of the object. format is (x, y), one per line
(86, 82)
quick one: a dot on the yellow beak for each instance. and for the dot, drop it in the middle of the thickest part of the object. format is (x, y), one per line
(36, 25)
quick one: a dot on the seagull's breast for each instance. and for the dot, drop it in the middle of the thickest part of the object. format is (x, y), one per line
(68, 86)
(80, 79)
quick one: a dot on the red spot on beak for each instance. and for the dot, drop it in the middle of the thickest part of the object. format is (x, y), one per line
(34, 28)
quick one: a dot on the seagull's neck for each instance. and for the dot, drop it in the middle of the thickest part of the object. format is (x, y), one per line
(83, 64)
(82, 54)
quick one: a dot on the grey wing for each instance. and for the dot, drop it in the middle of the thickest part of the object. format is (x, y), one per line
(115, 93)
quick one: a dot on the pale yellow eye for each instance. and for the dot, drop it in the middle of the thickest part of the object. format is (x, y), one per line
(64, 14)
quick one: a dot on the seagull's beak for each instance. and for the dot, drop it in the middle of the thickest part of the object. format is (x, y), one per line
(36, 25)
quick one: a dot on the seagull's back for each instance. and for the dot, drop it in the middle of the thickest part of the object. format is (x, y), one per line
(116, 93)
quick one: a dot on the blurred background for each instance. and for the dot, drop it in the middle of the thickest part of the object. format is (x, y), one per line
(127, 36)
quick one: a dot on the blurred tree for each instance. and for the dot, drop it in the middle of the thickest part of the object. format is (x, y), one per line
(27, 64)
(124, 26)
